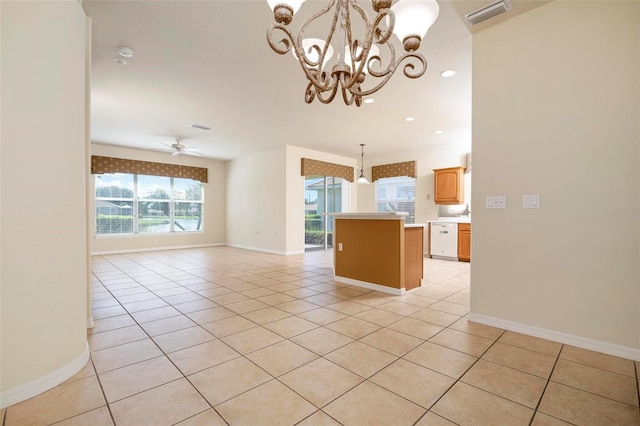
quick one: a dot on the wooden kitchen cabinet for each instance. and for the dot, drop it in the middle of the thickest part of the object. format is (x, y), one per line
(449, 185)
(464, 242)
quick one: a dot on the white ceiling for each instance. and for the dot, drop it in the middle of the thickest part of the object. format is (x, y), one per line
(208, 62)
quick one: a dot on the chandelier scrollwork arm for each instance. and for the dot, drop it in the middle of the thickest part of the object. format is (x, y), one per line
(360, 62)
(283, 45)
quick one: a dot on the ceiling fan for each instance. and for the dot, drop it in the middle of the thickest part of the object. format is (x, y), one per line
(179, 148)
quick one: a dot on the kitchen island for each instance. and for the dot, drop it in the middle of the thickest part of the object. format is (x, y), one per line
(378, 251)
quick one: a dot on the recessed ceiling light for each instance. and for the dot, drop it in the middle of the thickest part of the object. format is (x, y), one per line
(409, 119)
(121, 61)
(125, 52)
(438, 132)
(448, 73)
(369, 101)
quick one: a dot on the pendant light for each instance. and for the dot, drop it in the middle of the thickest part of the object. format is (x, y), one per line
(361, 178)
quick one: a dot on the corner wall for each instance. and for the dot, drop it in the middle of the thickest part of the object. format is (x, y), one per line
(43, 230)
(256, 201)
(265, 202)
(214, 206)
(556, 95)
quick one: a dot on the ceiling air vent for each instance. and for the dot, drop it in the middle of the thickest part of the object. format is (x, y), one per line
(489, 11)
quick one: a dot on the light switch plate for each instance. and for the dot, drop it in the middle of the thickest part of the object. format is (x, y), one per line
(531, 201)
(496, 202)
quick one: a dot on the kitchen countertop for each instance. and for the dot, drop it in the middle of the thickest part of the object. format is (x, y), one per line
(450, 220)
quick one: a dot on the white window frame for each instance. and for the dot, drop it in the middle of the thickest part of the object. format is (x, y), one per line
(391, 195)
(136, 202)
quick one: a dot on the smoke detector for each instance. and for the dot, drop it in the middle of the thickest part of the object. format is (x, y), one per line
(125, 52)
(489, 11)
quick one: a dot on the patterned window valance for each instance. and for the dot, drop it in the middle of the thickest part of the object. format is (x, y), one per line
(315, 167)
(408, 168)
(101, 165)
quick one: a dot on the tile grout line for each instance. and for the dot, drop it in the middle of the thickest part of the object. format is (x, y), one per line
(104, 395)
(546, 385)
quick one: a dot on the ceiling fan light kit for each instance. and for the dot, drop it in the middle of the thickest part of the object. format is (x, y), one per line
(179, 148)
(359, 59)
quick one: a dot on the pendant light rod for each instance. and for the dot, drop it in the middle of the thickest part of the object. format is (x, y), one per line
(362, 178)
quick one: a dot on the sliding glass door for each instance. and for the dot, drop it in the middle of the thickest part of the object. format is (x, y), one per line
(323, 194)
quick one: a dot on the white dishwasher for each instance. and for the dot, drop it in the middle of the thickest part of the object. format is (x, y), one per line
(444, 240)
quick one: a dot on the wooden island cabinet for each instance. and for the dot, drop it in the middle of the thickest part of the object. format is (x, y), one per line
(449, 185)
(378, 251)
(464, 242)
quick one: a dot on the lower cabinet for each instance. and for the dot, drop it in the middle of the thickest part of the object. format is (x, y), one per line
(464, 242)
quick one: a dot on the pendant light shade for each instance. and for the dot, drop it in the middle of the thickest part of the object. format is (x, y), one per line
(362, 178)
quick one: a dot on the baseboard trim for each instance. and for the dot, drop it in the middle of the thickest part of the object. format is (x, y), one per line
(138, 250)
(557, 336)
(44, 383)
(370, 286)
(90, 323)
(262, 250)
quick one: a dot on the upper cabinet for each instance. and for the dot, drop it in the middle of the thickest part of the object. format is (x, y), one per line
(449, 185)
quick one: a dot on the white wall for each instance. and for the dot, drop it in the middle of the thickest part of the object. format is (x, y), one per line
(265, 202)
(256, 201)
(437, 156)
(555, 112)
(43, 210)
(214, 205)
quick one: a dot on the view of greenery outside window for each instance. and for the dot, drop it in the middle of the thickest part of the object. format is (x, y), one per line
(130, 204)
(114, 203)
(397, 194)
(323, 194)
(187, 205)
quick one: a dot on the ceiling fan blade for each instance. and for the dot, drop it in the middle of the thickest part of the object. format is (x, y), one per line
(166, 144)
(176, 153)
(191, 149)
(195, 154)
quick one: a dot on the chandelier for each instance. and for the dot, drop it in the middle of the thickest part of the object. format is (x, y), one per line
(360, 69)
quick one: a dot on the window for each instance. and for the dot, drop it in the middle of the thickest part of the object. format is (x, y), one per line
(397, 194)
(114, 204)
(140, 204)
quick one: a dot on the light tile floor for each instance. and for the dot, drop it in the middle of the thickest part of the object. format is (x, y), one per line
(221, 335)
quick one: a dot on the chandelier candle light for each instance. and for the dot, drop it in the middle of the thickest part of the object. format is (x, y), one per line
(359, 58)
